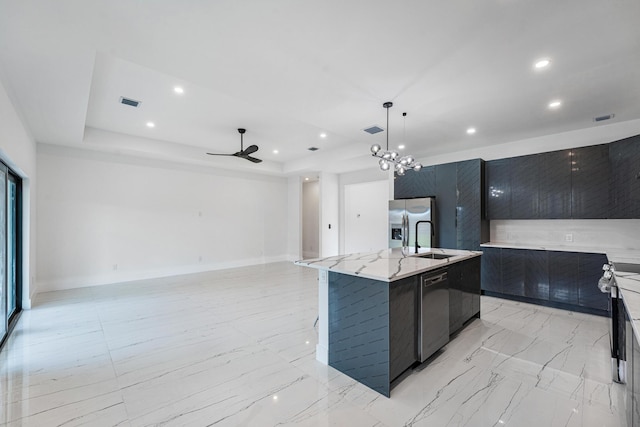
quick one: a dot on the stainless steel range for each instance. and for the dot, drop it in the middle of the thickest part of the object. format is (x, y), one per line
(617, 333)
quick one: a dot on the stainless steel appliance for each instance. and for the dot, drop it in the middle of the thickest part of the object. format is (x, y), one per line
(434, 312)
(617, 333)
(403, 222)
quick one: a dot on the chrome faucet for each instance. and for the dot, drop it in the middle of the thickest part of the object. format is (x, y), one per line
(432, 232)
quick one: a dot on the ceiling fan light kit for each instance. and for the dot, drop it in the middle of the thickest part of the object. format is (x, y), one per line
(243, 154)
(391, 158)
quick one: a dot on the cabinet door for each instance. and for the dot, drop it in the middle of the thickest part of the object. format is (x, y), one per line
(472, 229)
(590, 272)
(415, 184)
(536, 275)
(624, 159)
(403, 325)
(590, 175)
(455, 297)
(470, 288)
(563, 277)
(554, 185)
(513, 272)
(491, 270)
(498, 189)
(524, 187)
(446, 206)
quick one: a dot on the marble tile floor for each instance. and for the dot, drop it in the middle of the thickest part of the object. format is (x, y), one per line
(237, 348)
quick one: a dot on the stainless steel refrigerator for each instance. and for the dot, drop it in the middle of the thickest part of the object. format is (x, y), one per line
(403, 217)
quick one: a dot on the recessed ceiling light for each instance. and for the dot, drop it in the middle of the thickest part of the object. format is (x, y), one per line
(178, 89)
(401, 147)
(275, 151)
(542, 63)
(323, 135)
(151, 125)
(555, 104)
(306, 179)
(471, 131)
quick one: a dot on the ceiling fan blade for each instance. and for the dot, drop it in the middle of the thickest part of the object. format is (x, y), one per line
(252, 159)
(250, 150)
(218, 154)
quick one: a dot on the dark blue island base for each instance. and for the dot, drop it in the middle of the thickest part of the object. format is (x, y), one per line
(374, 326)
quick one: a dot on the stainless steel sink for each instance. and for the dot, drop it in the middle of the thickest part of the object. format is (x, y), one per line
(626, 267)
(435, 256)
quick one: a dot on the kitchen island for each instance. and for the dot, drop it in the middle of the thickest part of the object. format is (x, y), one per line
(371, 312)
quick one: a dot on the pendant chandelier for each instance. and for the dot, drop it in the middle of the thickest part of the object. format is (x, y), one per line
(390, 159)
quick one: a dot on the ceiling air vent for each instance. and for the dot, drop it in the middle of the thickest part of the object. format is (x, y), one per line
(373, 129)
(129, 101)
(603, 118)
(313, 148)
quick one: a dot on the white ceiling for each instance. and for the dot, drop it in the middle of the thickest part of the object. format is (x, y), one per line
(288, 70)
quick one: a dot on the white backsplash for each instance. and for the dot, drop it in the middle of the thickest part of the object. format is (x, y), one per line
(602, 233)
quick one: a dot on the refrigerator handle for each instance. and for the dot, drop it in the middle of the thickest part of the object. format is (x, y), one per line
(405, 230)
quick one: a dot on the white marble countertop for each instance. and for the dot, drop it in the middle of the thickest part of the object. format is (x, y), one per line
(387, 265)
(613, 254)
(629, 286)
(536, 247)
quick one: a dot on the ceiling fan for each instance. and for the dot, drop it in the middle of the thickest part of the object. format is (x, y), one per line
(243, 154)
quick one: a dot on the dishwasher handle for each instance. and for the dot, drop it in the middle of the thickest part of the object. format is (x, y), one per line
(432, 280)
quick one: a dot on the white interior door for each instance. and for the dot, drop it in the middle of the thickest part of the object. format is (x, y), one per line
(366, 216)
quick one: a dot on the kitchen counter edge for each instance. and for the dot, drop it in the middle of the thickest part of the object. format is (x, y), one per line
(389, 260)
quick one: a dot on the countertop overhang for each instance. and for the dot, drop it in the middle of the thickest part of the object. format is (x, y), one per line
(388, 265)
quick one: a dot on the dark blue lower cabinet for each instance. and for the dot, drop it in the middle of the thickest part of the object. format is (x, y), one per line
(590, 271)
(536, 275)
(563, 277)
(513, 272)
(456, 297)
(470, 273)
(491, 270)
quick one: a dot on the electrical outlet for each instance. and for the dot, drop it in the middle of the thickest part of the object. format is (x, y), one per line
(568, 237)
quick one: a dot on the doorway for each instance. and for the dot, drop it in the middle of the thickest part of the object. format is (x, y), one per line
(366, 216)
(310, 219)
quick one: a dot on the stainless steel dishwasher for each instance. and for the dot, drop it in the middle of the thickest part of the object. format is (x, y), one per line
(434, 312)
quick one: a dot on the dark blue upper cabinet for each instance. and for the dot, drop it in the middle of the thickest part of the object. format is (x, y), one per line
(624, 159)
(445, 206)
(472, 229)
(415, 184)
(524, 172)
(498, 189)
(554, 185)
(590, 182)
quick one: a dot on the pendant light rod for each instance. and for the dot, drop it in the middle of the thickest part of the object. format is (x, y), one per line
(388, 105)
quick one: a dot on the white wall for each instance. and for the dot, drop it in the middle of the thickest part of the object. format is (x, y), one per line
(107, 218)
(310, 219)
(329, 215)
(18, 150)
(366, 222)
